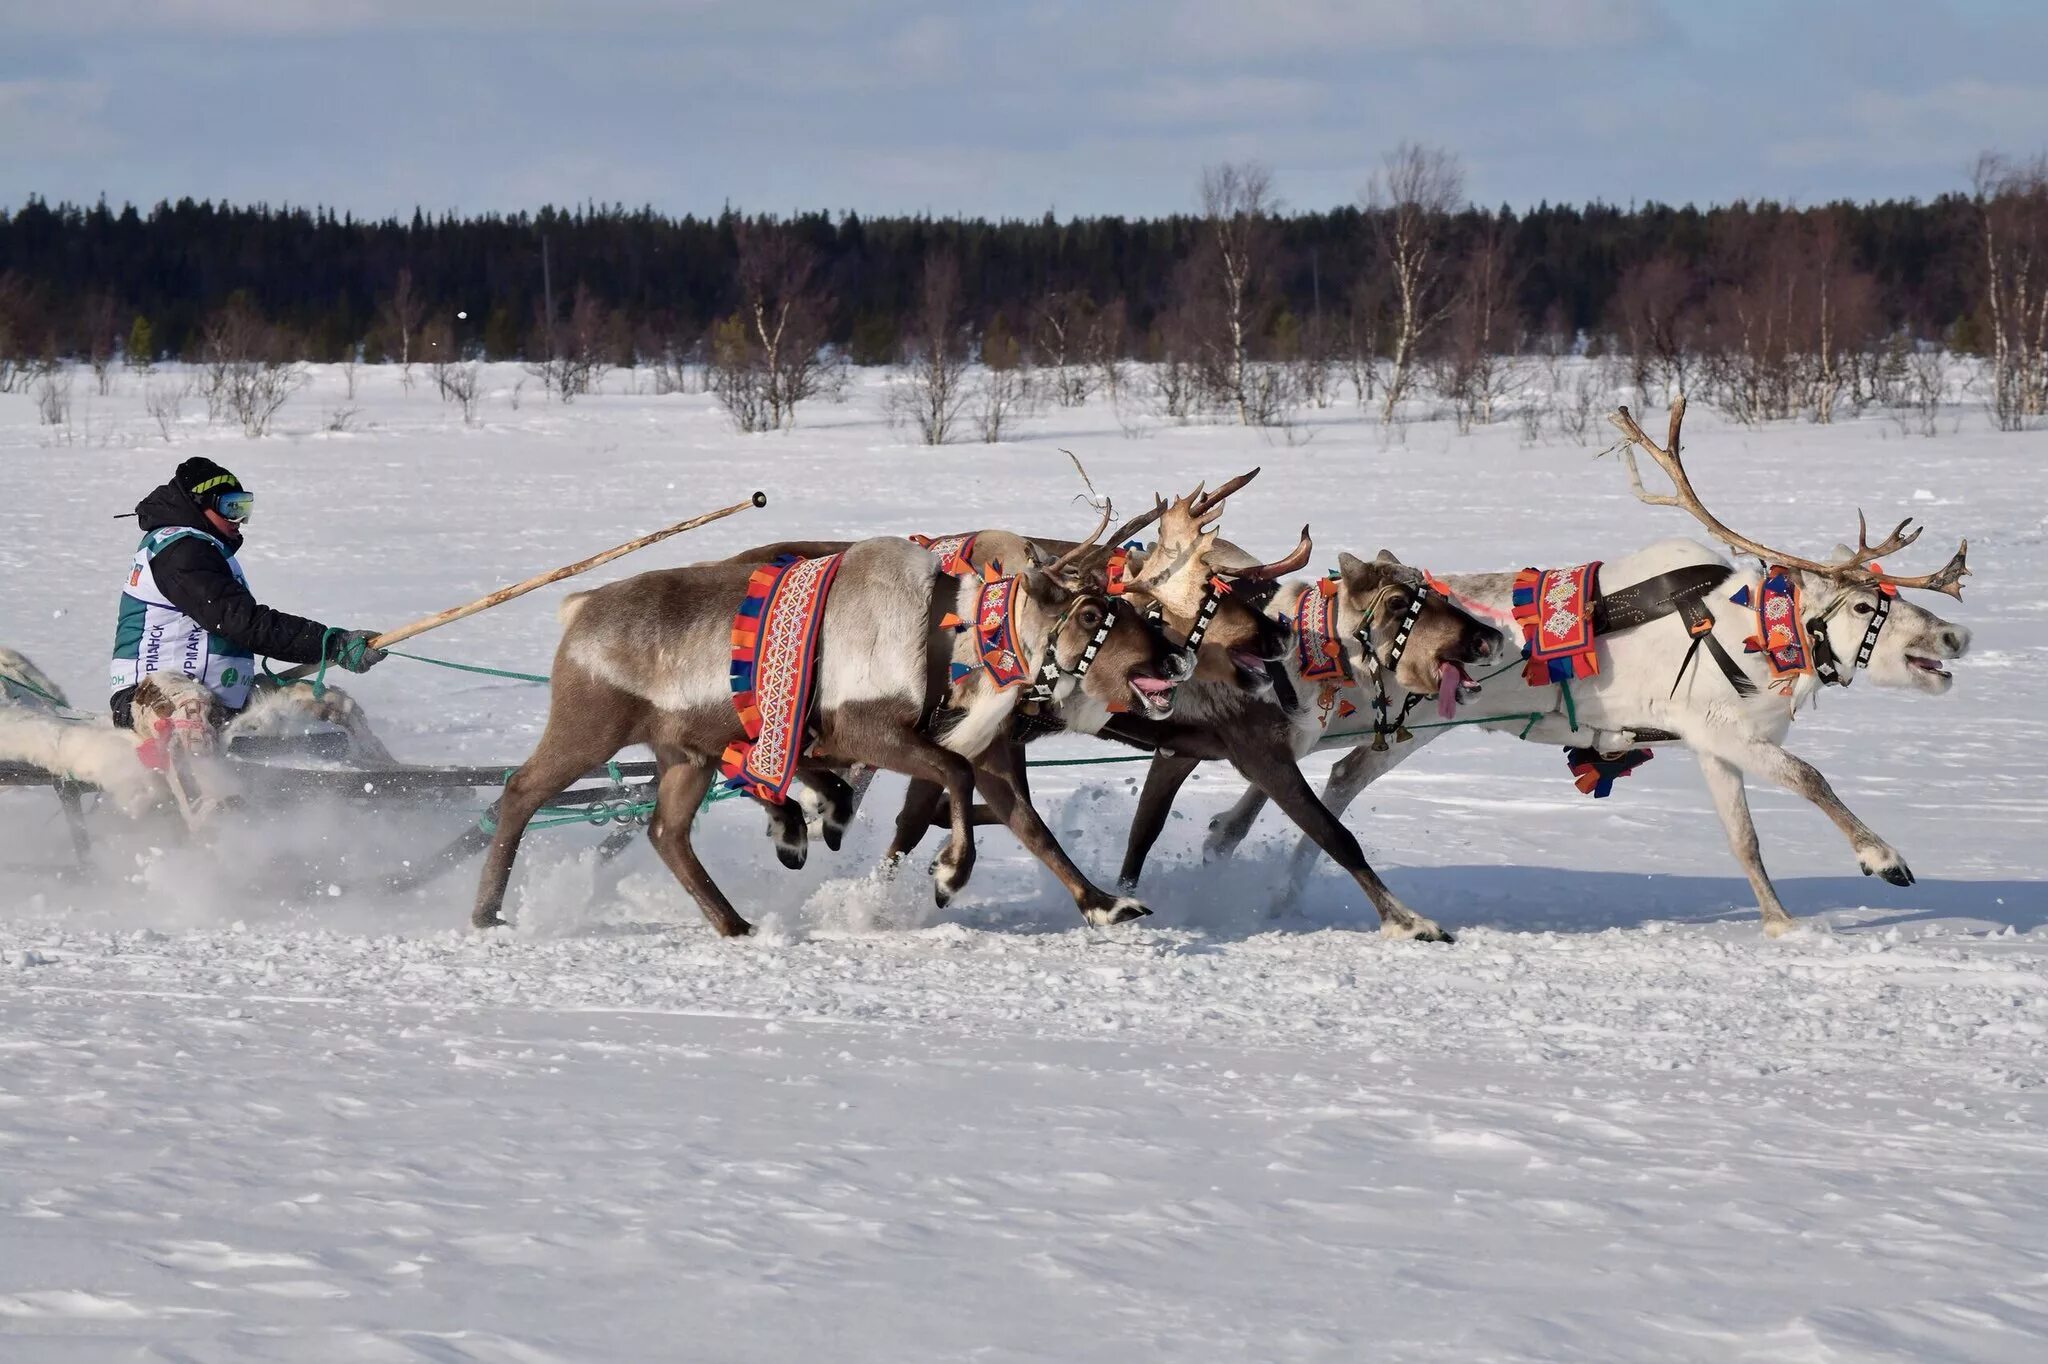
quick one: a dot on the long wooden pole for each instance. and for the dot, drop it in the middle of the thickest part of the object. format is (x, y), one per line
(520, 589)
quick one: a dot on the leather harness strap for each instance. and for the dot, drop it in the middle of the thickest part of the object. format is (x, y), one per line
(1652, 598)
(1682, 591)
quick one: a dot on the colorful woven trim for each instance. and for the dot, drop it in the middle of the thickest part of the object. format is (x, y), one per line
(995, 635)
(1596, 772)
(955, 553)
(1780, 627)
(1318, 653)
(774, 671)
(1554, 608)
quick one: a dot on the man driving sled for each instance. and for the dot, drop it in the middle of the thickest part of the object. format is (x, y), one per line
(189, 632)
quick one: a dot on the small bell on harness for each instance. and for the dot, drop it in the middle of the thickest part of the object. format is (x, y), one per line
(1401, 732)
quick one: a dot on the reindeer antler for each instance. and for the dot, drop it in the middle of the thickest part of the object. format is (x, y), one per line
(1067, 560)
(1856, 568)
(1200, 506)
(1137, 523)
(1293, 561)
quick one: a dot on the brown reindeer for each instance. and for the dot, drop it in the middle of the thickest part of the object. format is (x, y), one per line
(645, 661)
(1179, 582)
(1264, 740)
(1189, 576)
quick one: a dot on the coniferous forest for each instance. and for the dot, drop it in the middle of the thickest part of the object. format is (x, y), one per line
(1242, 308)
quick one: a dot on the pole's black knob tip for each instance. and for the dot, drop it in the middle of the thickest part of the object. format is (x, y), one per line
(760, 499)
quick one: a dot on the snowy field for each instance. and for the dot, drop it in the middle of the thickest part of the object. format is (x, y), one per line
(241, 1121)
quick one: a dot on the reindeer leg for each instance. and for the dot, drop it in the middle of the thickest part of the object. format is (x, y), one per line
(1273, 771)
(1724, 784)
(1164, 776)
(1764, 759)
(550, 771)
(900, 748)
(841, 800)
(676, 800)
(1000, 773)
(70, 795)
(1360, 768)
(1229, 829)
(791, 834)
(920, 812)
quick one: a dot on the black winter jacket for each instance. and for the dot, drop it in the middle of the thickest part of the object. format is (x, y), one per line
(195, 578)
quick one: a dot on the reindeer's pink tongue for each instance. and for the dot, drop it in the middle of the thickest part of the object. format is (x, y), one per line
(1152, 686)
(1449, 677)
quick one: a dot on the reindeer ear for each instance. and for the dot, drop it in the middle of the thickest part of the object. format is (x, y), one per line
(1094, 578)
(1844, 552)
(1038, 557)
(1352, 568)
(1385, 556)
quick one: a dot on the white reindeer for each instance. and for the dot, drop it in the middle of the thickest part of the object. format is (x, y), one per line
(1646, 693)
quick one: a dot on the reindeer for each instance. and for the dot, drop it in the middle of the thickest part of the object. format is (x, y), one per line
(645, 661)
(1391, 636)
(1645, 694)
(1203, 592)
(39, 728)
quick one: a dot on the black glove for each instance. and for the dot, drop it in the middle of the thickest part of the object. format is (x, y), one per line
(351, 649)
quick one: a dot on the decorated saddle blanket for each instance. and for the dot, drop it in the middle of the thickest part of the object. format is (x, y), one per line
(775, 671)
(955, 553)
(1554, 608)
(1780, 627)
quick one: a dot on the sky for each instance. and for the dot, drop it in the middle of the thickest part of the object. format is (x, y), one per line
(1002, 108)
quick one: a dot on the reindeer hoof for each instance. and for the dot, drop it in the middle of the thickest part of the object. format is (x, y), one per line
(734, 928)
(1417, 929)
(487, 918)
(1886, 862)
(791, 855)
(834, 834)
(1121, 910)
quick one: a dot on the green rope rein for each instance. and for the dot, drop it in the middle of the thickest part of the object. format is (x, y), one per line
(623, 812)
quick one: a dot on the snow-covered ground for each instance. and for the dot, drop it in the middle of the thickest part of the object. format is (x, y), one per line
(239, 1121)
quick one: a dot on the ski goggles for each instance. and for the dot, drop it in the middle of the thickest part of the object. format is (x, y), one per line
(237, 505)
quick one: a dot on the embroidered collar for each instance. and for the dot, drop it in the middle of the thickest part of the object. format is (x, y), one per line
(1318, 652)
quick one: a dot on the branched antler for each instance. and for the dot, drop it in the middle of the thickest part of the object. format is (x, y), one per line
(1856, 568)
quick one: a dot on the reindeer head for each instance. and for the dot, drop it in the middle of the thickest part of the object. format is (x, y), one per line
(1844, 593)
(1378, 596)
(1190, 567)
(1912, 643)
(1098, 644)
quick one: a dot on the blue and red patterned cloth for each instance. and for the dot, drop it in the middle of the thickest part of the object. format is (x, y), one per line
(774, 672)
(1554, 608)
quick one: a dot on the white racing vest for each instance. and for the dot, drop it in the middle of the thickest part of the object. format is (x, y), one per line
(154, 636)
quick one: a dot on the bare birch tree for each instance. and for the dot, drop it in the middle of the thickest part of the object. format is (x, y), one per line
(1409, 204)
(1063, 337)
(2012, 217)
(1477, 363)
(933, 388)
(771, 356)
(402, 313)
(1237, 205)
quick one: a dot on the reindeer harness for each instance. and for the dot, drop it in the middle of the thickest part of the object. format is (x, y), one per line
(1322, 658)
(1827, 664)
